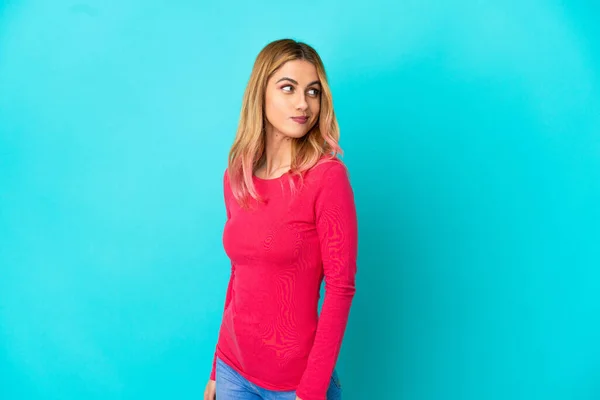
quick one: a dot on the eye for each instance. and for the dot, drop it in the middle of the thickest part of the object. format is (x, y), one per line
(315, 92)
(287, 86)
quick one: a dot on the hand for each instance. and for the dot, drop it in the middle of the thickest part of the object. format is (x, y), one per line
(211, 390)
(298, 398)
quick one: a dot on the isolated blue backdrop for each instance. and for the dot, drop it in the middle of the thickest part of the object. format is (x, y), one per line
(471, 130)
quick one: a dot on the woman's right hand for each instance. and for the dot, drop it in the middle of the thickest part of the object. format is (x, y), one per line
(210, 391)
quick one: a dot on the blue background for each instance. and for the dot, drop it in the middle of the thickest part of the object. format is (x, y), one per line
(472, 133)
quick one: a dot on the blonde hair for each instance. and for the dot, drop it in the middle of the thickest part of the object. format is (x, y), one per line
(320, 144)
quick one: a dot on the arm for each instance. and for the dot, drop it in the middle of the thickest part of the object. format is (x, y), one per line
(231, 276)
(227, 300)
(337, 229)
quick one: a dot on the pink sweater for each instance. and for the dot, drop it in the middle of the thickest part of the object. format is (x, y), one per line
(271, 331)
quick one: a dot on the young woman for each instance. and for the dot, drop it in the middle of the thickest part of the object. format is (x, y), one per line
(291, 221)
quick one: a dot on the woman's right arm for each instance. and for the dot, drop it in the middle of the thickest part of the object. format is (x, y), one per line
(227, 300)
(231, 276)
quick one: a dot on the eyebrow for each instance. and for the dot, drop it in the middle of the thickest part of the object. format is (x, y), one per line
(295, 83)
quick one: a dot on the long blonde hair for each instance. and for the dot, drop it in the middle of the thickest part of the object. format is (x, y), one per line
(318, 145)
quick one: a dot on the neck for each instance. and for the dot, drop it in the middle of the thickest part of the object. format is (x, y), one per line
(278, 153)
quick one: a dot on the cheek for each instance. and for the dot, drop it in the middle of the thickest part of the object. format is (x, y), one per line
(276, 108)
(315, 108)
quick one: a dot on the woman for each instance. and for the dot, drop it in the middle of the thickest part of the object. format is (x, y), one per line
(291, 221)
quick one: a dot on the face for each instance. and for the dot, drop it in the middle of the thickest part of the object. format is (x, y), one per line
(292, 99)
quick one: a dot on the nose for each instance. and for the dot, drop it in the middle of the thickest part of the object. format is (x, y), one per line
(301, 102)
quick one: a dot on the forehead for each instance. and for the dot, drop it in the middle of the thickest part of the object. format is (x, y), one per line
(301, 71)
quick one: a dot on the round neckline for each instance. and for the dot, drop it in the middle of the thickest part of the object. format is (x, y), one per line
(270, 179)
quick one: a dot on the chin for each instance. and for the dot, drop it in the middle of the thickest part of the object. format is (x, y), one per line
(296, 135)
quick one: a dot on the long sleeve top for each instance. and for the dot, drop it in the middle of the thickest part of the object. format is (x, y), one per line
(280, 251)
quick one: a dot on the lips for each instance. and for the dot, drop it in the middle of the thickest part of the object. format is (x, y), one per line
(300, 120)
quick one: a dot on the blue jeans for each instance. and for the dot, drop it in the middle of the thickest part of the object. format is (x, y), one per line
(232, 386)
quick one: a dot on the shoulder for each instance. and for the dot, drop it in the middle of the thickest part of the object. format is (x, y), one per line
(328, 170)
(226, 177)
(226, 182)
(329, 179)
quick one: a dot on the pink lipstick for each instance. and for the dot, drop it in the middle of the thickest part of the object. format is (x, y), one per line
(300, 120)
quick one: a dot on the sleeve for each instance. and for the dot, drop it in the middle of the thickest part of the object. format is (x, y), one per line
(336, 222)
(231, 276)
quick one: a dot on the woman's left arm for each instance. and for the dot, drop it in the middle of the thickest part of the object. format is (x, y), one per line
(336, 223)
